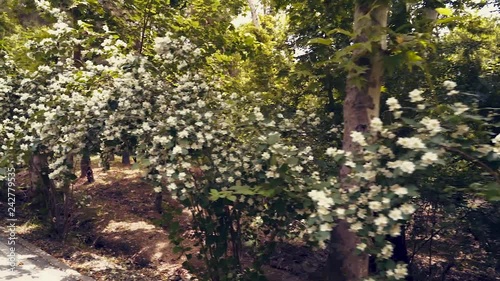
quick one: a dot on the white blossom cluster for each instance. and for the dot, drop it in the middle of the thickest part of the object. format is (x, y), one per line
(56, 106)
(375, 199)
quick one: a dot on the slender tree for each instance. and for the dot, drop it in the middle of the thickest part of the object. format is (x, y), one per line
(362, 103)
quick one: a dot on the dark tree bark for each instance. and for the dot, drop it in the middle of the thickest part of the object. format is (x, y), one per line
(159, 202)
(400, 253)
(53, 200)
(126, 156)
(85, 165)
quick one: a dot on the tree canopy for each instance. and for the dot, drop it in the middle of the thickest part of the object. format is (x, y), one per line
(342, 116)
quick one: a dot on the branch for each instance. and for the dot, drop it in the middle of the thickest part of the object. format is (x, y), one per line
(475, 160)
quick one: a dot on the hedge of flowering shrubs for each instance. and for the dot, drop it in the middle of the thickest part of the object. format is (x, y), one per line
(244, 172)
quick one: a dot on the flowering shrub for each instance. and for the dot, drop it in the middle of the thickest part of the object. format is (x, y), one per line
(56, 106)
(244, 170)
(229, 165)
(376, 198)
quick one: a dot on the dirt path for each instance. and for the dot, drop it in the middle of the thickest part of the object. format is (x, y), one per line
(115, 238)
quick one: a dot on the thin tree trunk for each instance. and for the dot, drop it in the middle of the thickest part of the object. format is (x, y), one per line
(361, 104)
(254, 13)
(126, 156)
(40, 169)
(400, 253)
(159, 202)
(85, 164)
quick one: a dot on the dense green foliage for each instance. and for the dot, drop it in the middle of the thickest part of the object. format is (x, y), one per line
(243, 123)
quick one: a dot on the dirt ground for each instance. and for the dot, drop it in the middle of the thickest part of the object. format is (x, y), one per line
(116, 238)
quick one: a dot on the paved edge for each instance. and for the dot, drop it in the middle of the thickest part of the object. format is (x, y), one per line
(39, 252)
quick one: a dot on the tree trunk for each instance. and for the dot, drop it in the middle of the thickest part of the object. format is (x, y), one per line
(362, 103)
(126, 156)
(400, 251)
(40, 170)
(254, 13)
(84, 165)
(159, 202)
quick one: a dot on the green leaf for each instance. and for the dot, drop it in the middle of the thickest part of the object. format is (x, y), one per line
(341, 31)
(242, 189)
(274, 138)
(447, 20)
(444, 11)
(492, 191)
(292, 161)
(409, 121)
(214, 195)
(322, 41)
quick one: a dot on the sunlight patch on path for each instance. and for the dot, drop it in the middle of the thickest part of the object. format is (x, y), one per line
(118, 226)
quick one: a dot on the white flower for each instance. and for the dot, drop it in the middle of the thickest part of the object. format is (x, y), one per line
(450, 85)
(325, 227)
(393, 104)
(400, 271)
(358, 138)
(361, 214)
(429, 157)
(381, 221)
(171, 120)
(376, 124)
(355, 227)
(361, 246)
(183, 134)
(387, 251)
(298, 168)
(407, 209)
(321, 198)
(172, 187)
(432, 125)
(259, 116)
(407, 167)
(375, 206)
(177, 150)
(350, 164)
(399, 190)
(496, 140)
(411, 143)
(384, 150)
(201, 103)
(416, 95)
(460, 108)
(396, 214)
(332, 151)
(266, 156)
(157, 189)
